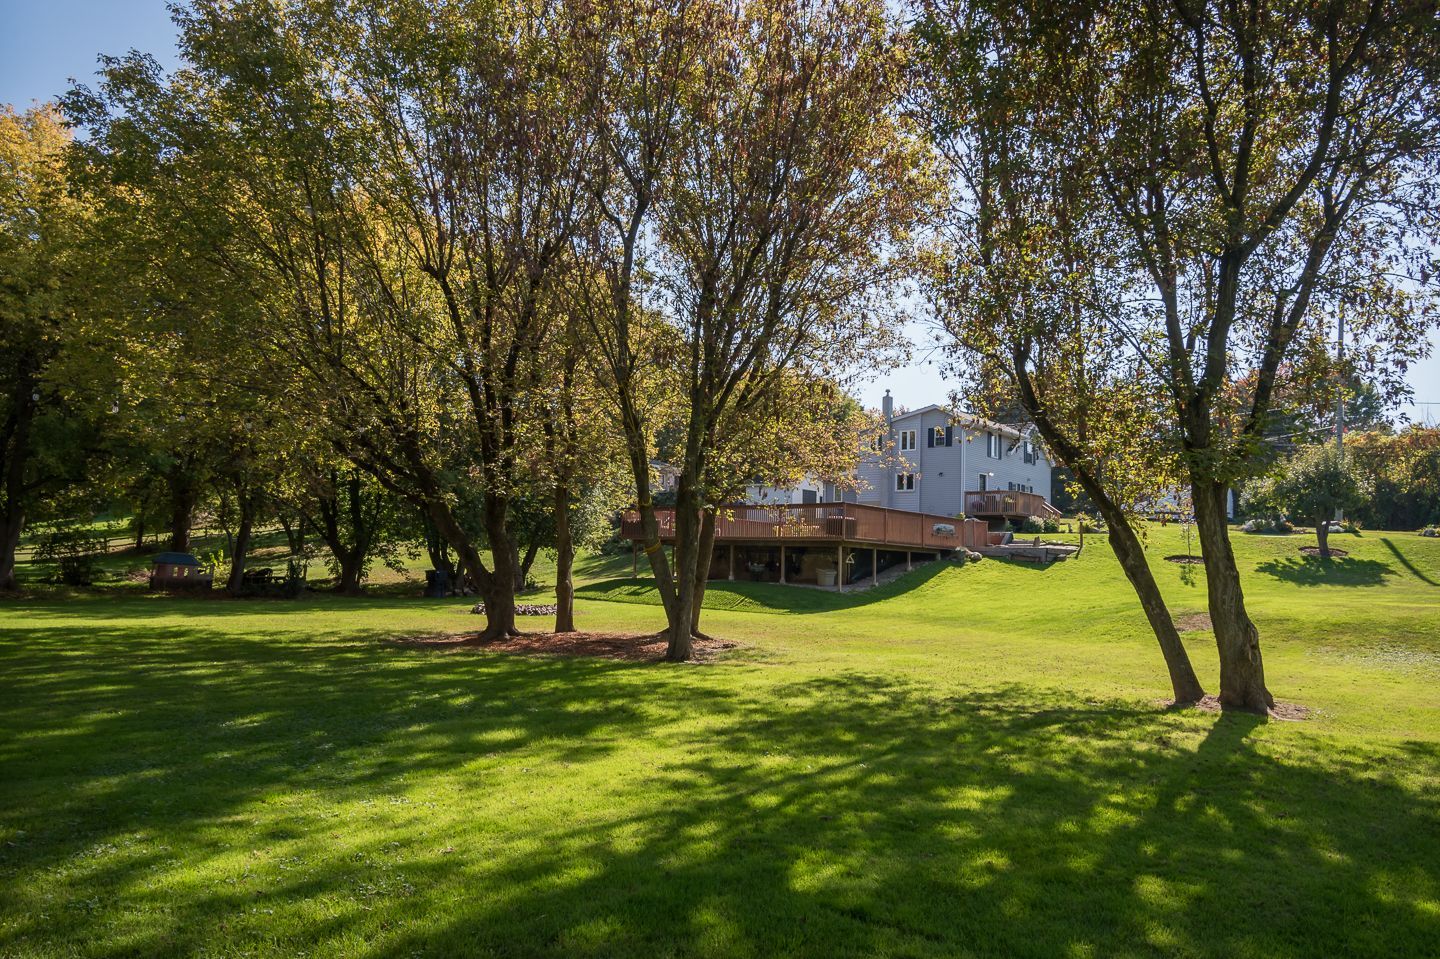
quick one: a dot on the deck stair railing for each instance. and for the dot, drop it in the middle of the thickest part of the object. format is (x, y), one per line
(1007, 503)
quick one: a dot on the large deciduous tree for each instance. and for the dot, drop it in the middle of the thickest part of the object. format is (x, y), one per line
(1257, 163)
(1019, 283)
(44, 436)
(761, 168)
(393, 186)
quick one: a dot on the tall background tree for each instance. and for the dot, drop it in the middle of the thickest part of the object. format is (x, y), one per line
(46, 430)
(1314, 484)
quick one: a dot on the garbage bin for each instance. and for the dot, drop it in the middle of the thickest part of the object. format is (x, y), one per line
(437, 584)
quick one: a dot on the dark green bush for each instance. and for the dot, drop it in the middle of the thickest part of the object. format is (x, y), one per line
(75, 552)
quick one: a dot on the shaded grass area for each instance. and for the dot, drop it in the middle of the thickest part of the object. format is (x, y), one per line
(970, 764)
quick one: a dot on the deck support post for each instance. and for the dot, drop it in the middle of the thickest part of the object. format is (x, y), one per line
(874, 567)
(732, 562)
(908, 567)
(634, 560)
(782, 563)
(840, 567)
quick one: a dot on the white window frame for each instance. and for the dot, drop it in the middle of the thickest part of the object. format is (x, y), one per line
(904, 482)
(907, 441)
(994, 446)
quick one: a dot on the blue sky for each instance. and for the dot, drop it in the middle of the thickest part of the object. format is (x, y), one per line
(46, 43)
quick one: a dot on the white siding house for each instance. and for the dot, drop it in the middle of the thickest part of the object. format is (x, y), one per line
(808, 490)
(936, 457)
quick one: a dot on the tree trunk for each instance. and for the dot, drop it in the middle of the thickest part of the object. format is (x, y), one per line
(11, 525)
(351, 564)
(241, 548)
(1242, 672)
(1322, 533)
(702, 569)
(522, 569)
(1183, 682)
(15, 455)
(139, 531)
(649, 522)
(498, 588)
(564, 563)
(680, 645)
(469, 568)
(182, 511)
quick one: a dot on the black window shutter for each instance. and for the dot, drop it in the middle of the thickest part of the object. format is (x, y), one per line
(949, 434)
(930, 437)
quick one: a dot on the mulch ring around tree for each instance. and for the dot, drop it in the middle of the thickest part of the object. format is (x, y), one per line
(1315, 551)
(1285, 712)
(1186, 560)
(647, 647)
(1193, 622)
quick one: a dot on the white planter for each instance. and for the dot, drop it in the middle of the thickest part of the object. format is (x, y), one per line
(825, 577)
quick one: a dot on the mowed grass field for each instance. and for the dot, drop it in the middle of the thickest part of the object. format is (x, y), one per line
(968, 762)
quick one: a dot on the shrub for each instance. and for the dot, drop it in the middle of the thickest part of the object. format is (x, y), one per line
(1049, 525)
(1032, 524)
(1267, 523)
(1431, 531)
(75, 552)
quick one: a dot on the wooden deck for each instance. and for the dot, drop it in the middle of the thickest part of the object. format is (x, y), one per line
(830, 524)
(1009, 504)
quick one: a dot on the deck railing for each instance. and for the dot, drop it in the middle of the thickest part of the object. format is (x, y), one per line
(1007, 503)
(827, 522)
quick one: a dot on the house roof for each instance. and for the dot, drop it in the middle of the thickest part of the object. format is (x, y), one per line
(174, 559)
(966, 419)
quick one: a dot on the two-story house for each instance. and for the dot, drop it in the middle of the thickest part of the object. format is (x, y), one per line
(929, 460)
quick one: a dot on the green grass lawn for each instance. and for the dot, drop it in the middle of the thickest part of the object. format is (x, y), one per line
(968, 762)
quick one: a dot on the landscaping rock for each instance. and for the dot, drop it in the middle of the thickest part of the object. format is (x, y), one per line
(522, 609)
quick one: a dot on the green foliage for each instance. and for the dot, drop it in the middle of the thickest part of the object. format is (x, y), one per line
(1313, 484)
(75, 549)
(1405, 467)
(1032, 524)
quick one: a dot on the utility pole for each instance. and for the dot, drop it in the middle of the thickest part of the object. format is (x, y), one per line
(1340, 392)
(1340, 378)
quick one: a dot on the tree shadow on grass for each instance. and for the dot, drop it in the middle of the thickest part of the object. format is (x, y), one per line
(1405, 561)
(855, 816)
(767, 597)
(188, 790)
(1313, 571)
